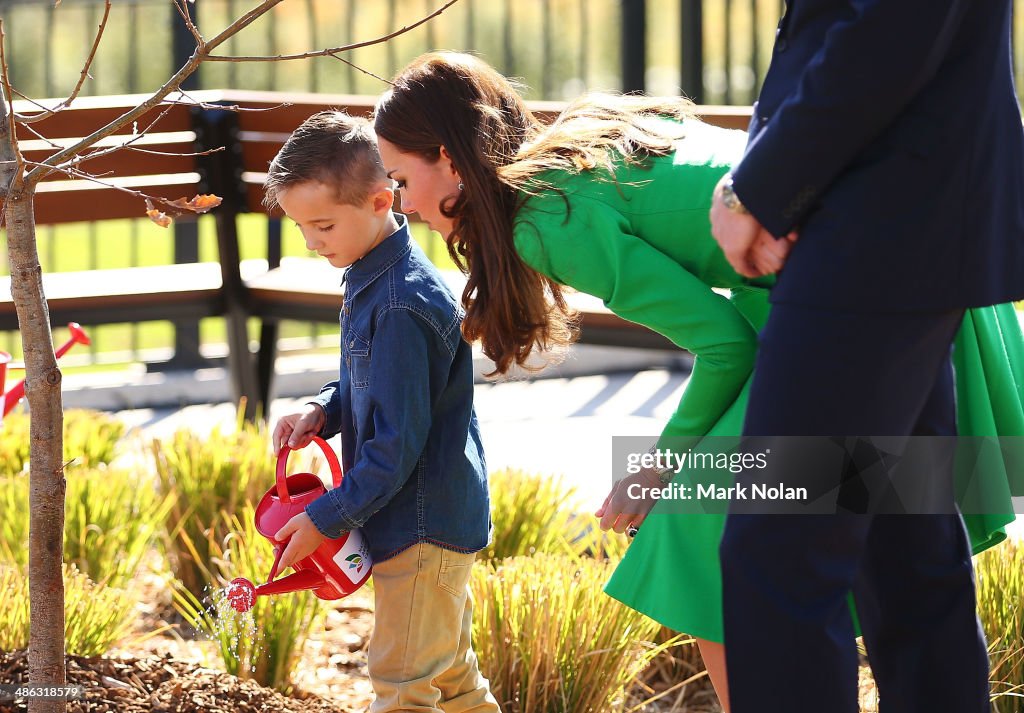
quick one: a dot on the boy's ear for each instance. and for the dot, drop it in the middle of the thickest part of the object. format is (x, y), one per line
(382, 200)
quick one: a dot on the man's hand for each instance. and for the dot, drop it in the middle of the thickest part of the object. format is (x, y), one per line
(750, 249)
(302, 539)
(735, 233)
(296, 430)
(629, 501)
(768, 254)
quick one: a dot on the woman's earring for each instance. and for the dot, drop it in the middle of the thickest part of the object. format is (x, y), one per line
(461, 187)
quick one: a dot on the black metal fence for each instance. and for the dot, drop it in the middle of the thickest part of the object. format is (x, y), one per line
(713, 50)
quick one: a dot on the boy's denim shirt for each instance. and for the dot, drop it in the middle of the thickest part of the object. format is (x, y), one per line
(403, 403)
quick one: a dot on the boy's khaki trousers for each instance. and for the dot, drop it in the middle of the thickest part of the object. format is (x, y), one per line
(419, 658)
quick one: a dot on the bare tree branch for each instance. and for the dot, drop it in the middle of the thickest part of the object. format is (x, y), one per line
(39, 136)
(126, 146)
(182, 7)
(73, 172)
(29, 99)
(202, 54)
(364, 71)
(13, 175)
(224, 107)
(333, 50)
(172, 84)
(81, 78)
(241, 23)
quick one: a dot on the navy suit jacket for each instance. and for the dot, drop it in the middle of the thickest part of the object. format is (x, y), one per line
(888, 133)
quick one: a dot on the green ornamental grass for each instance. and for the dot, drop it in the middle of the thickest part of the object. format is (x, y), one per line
(1000, 588)
(550, 640)
(265, 643)
(209, 474)
(96, 616)
(110, 521)
(533, 512)
(90, 439)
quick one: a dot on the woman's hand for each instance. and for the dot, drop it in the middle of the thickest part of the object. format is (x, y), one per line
(301, 537)
(629, 501)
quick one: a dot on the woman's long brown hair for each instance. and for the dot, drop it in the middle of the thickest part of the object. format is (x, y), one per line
(499, 148)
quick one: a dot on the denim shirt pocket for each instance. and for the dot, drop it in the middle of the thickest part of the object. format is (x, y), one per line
(359, 360)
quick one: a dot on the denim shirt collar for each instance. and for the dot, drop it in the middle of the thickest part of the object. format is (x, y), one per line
(376, 262)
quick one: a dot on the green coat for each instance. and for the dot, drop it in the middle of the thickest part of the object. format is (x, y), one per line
(642, 243)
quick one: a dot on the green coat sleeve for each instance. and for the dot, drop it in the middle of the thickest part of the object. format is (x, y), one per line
(588, 245)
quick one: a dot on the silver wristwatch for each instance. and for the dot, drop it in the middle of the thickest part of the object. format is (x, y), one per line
(666, 472)
(729, 198)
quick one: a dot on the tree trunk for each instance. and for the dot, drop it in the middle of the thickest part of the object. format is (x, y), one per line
(46, 474)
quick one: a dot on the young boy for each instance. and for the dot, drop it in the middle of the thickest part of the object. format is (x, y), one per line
(415, 480)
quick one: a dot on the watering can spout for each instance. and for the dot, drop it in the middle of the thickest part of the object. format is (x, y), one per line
(242, 593)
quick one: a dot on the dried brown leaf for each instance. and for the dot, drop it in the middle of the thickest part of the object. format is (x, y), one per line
(157, 216)
(197, 204)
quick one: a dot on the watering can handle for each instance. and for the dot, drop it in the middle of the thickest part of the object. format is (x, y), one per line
(282, 463)
(278, 551)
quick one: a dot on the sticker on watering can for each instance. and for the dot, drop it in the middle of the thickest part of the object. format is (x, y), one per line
(353, 559)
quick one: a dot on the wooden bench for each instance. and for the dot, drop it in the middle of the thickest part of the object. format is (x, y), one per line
(251, 127)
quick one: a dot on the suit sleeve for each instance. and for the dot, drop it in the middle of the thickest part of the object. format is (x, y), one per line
(591, 249)
(868, 70)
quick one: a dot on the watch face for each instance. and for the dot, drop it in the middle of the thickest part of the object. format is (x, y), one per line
(731, 200)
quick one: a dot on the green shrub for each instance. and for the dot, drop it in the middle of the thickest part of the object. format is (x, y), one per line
(1000, 575)
(534, 513)
(96, 616)
(551, 641)
(110, 520)
(208, 474)
(90, 439)
(265, 643)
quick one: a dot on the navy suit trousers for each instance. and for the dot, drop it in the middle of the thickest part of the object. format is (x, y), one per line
(787, 578)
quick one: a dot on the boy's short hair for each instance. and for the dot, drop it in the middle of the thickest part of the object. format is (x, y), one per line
(333, 148)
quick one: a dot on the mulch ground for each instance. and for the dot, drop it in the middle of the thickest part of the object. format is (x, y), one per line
(160, 683)
(177, 671)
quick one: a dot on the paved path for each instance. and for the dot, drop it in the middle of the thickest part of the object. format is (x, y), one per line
(560, 426)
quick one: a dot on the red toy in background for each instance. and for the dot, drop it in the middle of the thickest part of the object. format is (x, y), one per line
(10, 399)
(5, 359)
(336, 568)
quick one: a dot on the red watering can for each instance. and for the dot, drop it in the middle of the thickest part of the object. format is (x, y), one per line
(336, 568)
(17, 392)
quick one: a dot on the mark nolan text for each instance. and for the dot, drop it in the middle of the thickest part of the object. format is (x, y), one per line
(755, 491)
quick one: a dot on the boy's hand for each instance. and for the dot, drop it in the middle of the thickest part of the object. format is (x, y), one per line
(302, 537)
(296, 430)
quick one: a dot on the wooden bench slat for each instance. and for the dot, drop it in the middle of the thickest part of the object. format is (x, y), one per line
(307, 289)
(81, 200)
(172, 292)
(87, 114)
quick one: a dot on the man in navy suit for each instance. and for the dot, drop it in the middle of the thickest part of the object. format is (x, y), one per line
(887, 143)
